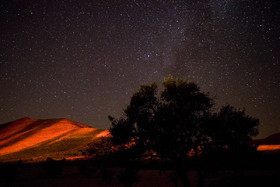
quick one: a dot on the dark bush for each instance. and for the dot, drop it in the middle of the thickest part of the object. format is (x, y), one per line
(9, 172)
(53, 167)
(129, 176)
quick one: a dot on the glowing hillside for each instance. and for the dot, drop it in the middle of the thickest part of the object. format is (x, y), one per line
(268, 147)
(35, 139)
(269, 143)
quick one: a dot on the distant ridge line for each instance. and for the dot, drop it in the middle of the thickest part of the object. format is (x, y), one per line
(273, 139)
(29, 132)
(55, 120)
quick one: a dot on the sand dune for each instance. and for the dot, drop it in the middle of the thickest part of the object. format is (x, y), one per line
(28, 138)
(28, 133)
(269, 143)
(273, 139)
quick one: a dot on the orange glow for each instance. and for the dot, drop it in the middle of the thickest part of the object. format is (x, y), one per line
(73, 158)
(42, 135)
(26, 133)
(103, 133)
(14, 128)
(268, 147)
(77, 133)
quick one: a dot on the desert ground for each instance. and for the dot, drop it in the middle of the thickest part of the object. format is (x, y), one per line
(47, 153)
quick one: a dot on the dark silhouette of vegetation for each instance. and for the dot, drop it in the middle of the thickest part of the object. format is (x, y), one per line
(9, 172)
(129, 176)
(179, 126)
(233, 129)
(99, 147)
(53, 167)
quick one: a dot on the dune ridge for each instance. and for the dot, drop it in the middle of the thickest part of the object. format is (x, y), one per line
(28, 133)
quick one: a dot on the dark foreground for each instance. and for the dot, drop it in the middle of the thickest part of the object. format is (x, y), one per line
(257, 172)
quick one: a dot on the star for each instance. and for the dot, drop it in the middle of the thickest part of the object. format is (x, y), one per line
(85, 59)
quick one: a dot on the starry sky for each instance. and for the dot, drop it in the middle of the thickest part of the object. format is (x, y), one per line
(83, 60)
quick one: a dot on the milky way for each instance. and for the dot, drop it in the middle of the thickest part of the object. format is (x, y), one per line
(83, 60)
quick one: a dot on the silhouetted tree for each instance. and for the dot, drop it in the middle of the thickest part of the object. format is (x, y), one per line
(233, 129)
(176, 122)
(169, 124)
(99, 148)
(231, 133)
(182, 115)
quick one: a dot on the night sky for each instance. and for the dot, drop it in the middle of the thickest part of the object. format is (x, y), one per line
(83, 60)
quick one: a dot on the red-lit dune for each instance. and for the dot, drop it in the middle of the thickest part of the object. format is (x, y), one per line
(37, 139)
(27, 133)
(268, 147)
(269, 143)
(103, 133)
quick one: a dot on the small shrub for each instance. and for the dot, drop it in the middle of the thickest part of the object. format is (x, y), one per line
(129, 176)
(53, 167)
(9, 172)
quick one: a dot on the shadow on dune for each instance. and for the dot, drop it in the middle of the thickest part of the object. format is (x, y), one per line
(31, 129)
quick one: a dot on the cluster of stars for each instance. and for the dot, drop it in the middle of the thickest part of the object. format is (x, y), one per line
(84, 59)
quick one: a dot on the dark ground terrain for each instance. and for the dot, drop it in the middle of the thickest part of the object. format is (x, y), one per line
(259, 170)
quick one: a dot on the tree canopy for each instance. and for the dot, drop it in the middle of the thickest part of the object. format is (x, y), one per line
(179, 120)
